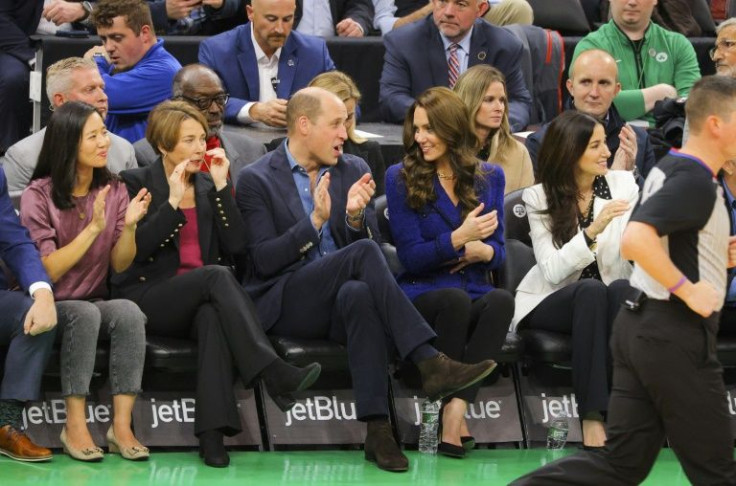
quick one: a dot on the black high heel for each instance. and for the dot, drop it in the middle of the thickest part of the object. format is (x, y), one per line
(445, 448)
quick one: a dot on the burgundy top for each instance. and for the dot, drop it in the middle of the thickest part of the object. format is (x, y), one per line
(52, 228)
(190, 254)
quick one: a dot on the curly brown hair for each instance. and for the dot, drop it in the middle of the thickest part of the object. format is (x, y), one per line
(448, 116)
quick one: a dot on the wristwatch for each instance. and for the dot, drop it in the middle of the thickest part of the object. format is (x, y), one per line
(87, 6)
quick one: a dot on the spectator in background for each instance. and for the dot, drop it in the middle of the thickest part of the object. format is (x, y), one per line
(262, 63)
(505, 12)
(194, 17)
(199, 86)
(447, 49)
(344, 18)
(483, 90)
(70, 79)
(18, 20)
(593, 84)
(134, 65)
(653, 63)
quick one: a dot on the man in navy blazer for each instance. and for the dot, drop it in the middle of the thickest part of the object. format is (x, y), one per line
(315, 270)
(417, 57)
(27, 330)
(262, 63)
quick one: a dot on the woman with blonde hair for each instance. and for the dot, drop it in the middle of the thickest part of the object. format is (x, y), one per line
(345, 88)
(483, 90)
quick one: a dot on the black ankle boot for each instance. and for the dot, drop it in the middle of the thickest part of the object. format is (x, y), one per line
(212, 449)
(282, 379)
(381, 447)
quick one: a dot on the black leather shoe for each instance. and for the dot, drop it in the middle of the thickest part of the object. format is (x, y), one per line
(468, 442)
(381, 448)
(451, 450)
(287, 379)
(442, 376)
(212, 449)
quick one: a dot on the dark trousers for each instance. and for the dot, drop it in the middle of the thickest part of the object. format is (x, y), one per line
(15, 109)
(585, 310)
(26, 355)
(467, 331)
(350, 297)
(667, 382)
(209, 303)
(727, 325)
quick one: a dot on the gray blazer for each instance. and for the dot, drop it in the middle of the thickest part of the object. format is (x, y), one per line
(20, 160)
(240, 151)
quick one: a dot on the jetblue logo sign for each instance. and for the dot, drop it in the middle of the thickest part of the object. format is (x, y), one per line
(492, 417)
(542, 403)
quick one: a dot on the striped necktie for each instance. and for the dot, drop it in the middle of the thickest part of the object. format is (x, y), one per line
(453, 65)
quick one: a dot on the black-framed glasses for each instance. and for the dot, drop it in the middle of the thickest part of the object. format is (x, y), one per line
(205, 102)
(725, 44)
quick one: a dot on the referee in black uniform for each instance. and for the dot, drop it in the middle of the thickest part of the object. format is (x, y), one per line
(667, 381)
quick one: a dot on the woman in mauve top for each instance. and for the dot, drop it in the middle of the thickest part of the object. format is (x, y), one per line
(79, 216)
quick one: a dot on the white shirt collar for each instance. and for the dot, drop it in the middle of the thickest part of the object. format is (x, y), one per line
(260, 55)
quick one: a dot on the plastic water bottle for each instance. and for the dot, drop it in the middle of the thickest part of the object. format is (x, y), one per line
(557, 432)
(429, 427)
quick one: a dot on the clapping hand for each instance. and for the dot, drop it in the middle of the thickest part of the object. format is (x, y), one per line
(219, 167)
(137, 207)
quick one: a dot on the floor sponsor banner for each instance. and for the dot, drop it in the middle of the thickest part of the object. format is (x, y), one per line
(492, 418)
(319, 417)
(542, 402)
(44, 420)
(167, 419)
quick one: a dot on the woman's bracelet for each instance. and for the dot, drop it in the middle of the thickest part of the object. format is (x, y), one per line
(679, 284)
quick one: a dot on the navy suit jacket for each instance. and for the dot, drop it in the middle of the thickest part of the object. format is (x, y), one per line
(16, 247)
(232, 56)
(280, 233)
(415, 61)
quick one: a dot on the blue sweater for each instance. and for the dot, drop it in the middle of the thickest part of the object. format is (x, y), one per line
(423, 238)
(134, 93)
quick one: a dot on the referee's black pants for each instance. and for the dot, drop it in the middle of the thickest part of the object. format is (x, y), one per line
(667, 382)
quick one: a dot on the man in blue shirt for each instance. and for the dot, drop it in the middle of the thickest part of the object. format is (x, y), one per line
(134, 65)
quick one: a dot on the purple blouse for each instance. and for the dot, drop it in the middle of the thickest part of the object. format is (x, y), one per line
(52, 228)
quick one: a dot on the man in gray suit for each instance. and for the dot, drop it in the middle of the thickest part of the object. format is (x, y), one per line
(71, 79)
(200, 86)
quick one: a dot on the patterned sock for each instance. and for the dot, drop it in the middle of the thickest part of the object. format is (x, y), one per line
(11, 413)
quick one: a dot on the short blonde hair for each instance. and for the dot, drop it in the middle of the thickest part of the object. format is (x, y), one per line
(343, 86)
(59, 75)
(164, 123)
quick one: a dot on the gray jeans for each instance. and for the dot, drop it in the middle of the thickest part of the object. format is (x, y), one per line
(123, 324)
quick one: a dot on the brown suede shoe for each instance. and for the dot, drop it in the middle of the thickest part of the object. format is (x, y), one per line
(381, 448)
(442, 376)
(16, 445)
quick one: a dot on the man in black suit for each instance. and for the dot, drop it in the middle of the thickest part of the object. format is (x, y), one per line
(316, 271)
(200, 86)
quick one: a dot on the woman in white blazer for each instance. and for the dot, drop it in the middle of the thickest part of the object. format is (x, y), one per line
(577, 215)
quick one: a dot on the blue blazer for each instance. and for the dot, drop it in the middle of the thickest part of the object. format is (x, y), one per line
(232, 56)
(415, 61)
(280, 233)
(423, 237)
(16, 247)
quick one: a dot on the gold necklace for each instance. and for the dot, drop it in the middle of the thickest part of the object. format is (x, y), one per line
(442, 175)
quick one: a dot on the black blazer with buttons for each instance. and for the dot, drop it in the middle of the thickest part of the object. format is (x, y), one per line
(221, 230)
(279, 233)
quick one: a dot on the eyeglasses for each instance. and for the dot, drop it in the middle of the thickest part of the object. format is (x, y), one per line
(725, 45)
(206, 102)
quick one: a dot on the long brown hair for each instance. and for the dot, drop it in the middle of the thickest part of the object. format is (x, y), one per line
(471, 86)
(564, 143)
(449, 119)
